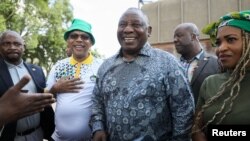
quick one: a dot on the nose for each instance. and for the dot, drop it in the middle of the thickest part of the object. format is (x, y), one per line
(128, 29)
(222, 47)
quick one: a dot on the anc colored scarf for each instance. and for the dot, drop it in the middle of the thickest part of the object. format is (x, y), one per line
(236, 19)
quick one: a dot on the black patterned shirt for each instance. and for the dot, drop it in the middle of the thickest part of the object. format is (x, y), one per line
(146, 99)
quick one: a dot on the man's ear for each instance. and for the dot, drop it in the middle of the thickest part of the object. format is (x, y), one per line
(194, 36)
(149, 31)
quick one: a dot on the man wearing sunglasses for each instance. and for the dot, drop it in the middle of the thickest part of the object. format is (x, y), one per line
(72, 80)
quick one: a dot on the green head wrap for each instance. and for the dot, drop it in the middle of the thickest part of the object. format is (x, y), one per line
(236, 19)
(81, 25)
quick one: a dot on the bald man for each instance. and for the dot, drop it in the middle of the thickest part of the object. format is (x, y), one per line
(197, 64)
(14, 104)
(34, 127)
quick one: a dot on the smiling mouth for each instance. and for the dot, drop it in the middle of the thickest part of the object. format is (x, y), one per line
(78, 46)
(129, 40)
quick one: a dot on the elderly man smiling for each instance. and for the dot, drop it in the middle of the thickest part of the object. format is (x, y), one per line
(66, 82)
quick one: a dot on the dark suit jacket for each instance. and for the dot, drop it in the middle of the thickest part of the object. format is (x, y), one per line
(207, 65)
(47, 116)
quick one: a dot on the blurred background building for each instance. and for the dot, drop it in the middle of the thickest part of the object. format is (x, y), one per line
(165, 15)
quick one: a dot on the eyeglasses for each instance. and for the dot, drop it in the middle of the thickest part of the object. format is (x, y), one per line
(8, 44)
(75, 36)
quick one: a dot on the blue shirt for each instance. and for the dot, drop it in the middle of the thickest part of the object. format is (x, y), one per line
(148, 98)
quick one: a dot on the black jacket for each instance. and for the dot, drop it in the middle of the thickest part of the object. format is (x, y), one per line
(206, 66)
(47, 116)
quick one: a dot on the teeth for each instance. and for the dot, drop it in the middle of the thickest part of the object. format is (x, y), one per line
(78, 46)
(129, 39)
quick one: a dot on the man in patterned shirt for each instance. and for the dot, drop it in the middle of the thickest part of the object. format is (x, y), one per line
(73, 107)
(141, 92)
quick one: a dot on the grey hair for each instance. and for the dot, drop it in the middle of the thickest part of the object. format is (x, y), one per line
(193, 28)
(3, 34)
(143, 15)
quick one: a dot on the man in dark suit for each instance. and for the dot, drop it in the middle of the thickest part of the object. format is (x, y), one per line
(14, 104)
(37, 126)
(197, 64)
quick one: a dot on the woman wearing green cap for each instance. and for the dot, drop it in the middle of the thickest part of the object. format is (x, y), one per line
(224, 97)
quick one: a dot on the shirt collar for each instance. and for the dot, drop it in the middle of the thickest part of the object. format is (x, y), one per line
(9, 65)
(88, 60)
(145, 51)
(198, 56)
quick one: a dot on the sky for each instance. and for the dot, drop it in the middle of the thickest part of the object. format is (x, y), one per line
(103, 15)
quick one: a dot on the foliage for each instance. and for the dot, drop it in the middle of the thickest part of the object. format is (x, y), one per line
(96, 54)
(42, 24)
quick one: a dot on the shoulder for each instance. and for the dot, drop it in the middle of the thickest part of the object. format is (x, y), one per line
(217, 79)
(165, 59)
(97, 60)
(33, 66)
(65, 60)
(161, 55)
(107, 64)
(110, 60)
(208, 56)
(211, 85)
(211, 60)
(61, 62)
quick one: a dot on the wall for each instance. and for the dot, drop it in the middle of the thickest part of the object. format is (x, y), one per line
(165, 15)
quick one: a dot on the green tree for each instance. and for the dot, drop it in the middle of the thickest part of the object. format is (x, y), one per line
(42, 24)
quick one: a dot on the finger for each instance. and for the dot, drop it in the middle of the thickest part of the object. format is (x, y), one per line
(41, 104)
(79, 83)
(22, 82)
(75, 80)
(45, 98)
(32, 111)
(78, 87)
(74, 83)
(73, 91)
(75, 87)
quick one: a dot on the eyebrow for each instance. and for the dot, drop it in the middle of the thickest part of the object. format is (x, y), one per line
(227, 36)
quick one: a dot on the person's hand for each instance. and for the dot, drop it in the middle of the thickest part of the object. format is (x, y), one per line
(66, 85)
(15, 105)
(100, 136)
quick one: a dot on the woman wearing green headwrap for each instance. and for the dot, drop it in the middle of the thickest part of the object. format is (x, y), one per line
(224, 98)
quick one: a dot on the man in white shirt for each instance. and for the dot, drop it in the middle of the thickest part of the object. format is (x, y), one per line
(66, 80)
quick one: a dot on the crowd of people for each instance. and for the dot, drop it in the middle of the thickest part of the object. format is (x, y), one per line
(141, 93)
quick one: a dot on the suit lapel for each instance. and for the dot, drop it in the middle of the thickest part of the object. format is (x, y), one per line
(35, 73)
(201, 64)
(32, 71)
(5, 74)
